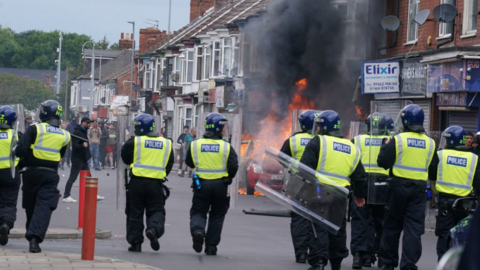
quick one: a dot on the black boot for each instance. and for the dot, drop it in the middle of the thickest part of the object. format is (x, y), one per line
(197, 238)
(301, 258)
(34, 246)
(152, 236)
(367, 262)
(357, 260)
(135, 248)
(4, 229)
(388, 267)
(211, 250)
(336, 266)
(318, 266)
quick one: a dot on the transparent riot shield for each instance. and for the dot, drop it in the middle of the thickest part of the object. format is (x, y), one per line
(235, 139)
(122, 135)
(308, 193)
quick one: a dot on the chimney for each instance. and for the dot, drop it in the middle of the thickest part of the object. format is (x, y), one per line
(149, 37)
(47, 80)
(198, 7)
(125, 43)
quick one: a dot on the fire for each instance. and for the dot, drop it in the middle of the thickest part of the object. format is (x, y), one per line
(358, 112)
(243, 191)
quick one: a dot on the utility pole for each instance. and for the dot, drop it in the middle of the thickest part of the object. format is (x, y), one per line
(59, 50)
(169, 15)
(133, 62)
(92, 80)
(66, 91)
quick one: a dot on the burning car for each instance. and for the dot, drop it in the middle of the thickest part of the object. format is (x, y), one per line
(254, 168)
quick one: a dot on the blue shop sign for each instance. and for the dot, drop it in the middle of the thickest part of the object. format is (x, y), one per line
(472, 80)
(445, 77)
(380, 77)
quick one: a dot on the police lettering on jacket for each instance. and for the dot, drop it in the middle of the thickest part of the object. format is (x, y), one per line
(340, 147)
(416, 143)
(304, 141)
(52, 129)
(3, 135)
(212, 148)
(457, 161)
(374, 142)
(153, 144)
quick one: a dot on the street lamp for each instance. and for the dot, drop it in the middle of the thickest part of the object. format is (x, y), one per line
(92, 80)
(131, 75)
(59, 50)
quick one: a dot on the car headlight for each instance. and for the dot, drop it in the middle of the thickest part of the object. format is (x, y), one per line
(257, 169)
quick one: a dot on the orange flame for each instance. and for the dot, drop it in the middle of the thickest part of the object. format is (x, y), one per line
(358, 112)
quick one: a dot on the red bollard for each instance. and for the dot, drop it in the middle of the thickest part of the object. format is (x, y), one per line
(90, 212)
(81, 197)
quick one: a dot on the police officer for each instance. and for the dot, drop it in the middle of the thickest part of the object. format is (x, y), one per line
(408, 156)
(367, 221)
(41, 148)
(343, 164)
(215, 163)
(457, 176)
(9, 186)
(294, 147)
(150, 158)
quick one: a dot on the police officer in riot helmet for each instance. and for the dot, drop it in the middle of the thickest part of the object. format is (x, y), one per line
(408, 156)
(9, 186)
(41, 148)
(294, 146)
(458, 175)
(320, 155)
(367, 220)
(150, 158)
(215, 163)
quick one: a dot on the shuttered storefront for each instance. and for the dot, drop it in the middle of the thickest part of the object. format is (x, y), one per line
(425, 104)
(390, 107)
(467, 120)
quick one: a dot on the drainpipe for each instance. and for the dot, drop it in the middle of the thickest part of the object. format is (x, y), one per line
(395, 34)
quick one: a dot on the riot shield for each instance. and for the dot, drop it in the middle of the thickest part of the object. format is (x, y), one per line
(235, 140)
(13, 145)
(122, 135)
(308, 193)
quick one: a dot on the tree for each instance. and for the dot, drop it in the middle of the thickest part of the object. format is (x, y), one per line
(30, 93)
(102, 44)
(114, 46)
(8, 46)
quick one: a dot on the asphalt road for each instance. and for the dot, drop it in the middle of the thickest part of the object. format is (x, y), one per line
(248, 242)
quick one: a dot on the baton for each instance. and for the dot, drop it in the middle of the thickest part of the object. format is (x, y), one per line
(78, 137)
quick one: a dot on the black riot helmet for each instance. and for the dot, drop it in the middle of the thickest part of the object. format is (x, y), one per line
(51, 112)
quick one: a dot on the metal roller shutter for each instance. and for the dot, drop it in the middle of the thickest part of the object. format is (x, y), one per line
(467, 120)
(391, 107)
(425, 104)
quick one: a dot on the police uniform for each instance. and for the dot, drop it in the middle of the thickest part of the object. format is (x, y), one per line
(151, 160)
(342, 166)
(458, 174)
(41, 148)
(9, 186)
(366, 224)
(215, 163)
(300, 228)
(408, 155)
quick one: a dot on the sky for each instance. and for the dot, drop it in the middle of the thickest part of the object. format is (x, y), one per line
(94, 18)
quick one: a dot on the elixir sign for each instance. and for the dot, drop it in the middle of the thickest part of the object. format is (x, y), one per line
(380, 77)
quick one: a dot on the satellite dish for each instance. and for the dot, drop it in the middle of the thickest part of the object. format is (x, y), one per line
(421, 16)
(390, 23)
(445, 12)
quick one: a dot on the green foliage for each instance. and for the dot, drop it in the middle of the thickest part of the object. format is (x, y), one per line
(14, 89)
(114, 46)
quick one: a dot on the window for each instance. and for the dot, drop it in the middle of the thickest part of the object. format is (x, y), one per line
(412, 26)
(177, 70)
(445, 29)
(216, 58)
(189, 66)
(199, 63)
(345, 12)
(147, 76)
(470, 16)
(159, 74)
(188, 117)
(208, 62)
(197, 113)
(246, 54)
(236, 57)
(227, 56)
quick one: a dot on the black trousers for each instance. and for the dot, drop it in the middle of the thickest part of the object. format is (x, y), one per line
(211, 199)
(446, 220)
(367, 229)
(40, 199)
(102, 153)
(144, 196)
(405, 211)
(77, 166)
(300, 229)
(9, 188)
(327, 246)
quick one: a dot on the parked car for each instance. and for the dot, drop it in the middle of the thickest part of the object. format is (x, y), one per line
(255, 168)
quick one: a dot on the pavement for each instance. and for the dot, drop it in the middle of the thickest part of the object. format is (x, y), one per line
(248, 242)
(23, 260)
(61, 233)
